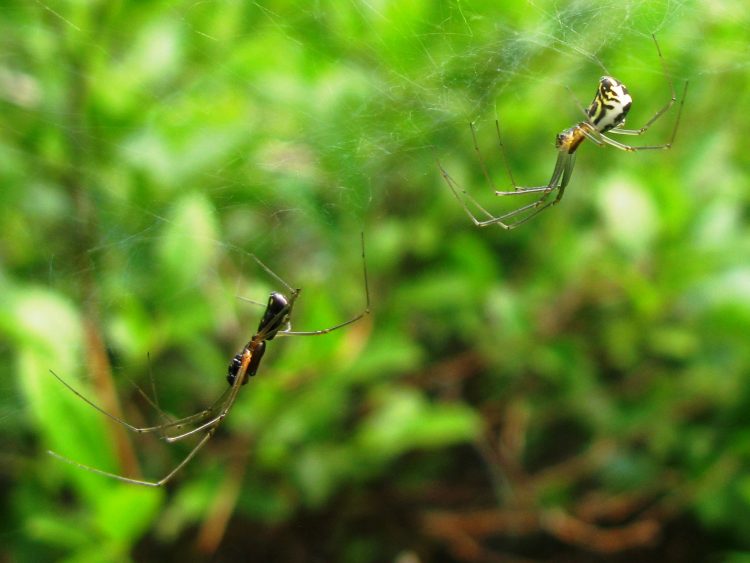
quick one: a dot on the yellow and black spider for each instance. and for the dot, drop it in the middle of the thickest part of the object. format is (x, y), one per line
(605, 114)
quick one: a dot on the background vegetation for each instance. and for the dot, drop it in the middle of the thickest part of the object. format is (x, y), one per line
(576, 389)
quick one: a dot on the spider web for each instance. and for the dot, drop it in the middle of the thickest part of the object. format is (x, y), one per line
(254, 180)
(255, 168)
(141, 185)
(167, 143)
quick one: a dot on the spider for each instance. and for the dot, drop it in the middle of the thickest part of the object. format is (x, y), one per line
(276, 321)
(606, 113)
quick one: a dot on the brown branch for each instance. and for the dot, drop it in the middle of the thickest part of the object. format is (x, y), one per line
(464, 532)
(215, 524)
(572, 531)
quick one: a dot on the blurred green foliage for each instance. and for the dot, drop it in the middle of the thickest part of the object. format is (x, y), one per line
(575, 388)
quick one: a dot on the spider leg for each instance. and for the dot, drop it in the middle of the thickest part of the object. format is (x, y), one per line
(510, 214)
(491, 219)
(273, 274)
(163, 481)
(482, 164)
(601, 140)
(465, 196)
(194, 418)
(143, 429)
(562, 158)
(345, 323)
(216, 420)
(637, 132)
(325, 330)
(541, 204)
(137, 429)
(168, 422)
(563, 169)
(559, 179)
(212, 425)
(666, 106)
(153, 403)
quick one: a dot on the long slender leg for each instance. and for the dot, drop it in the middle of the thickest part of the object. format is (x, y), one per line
(216, 419)
(666, 106)
(176, 424)
(232, 396)
(159, 483)
(454, 188)
(137, 429)
(154, 403)
(163, 481)
(482, 165)
(345, 323)
(196, 418)
(273, 274)
(503, 154)
(212, 425)
(463, 197)
(602, 140)
(541, 204)
(516, 188)
(563, 160)
(636, 132)
(517, 211)
(143, 429)
(491, 219)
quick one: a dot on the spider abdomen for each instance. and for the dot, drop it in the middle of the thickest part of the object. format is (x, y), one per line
(256, 355)
(610, 105)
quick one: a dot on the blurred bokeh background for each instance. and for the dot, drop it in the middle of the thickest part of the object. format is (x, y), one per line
(576, 389)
